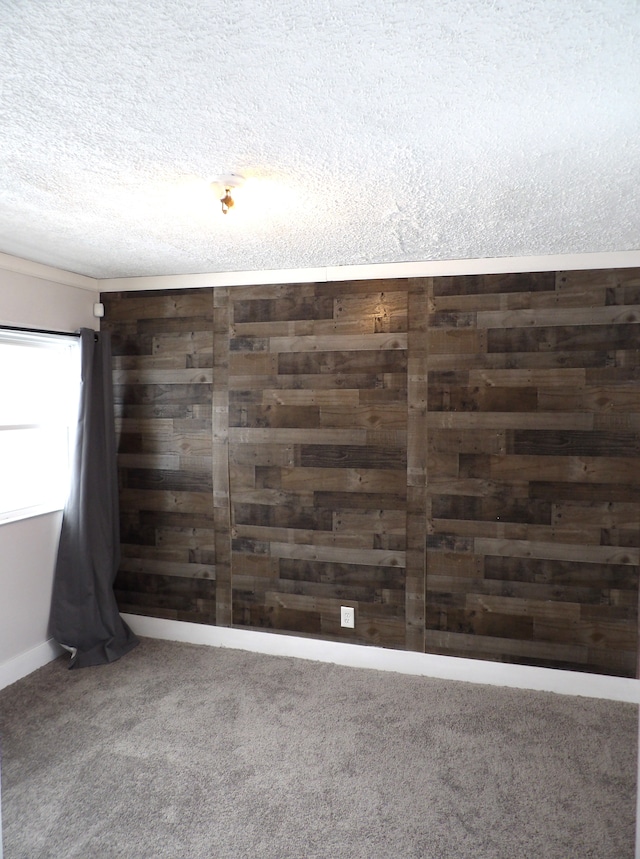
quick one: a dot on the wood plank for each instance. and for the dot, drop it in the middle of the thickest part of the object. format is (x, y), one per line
(322, 456)
(287, 306)
(558, 551)
(547, 357)
(252, 364)
(495, 283)
(363, 557)
(503, 507)
(356, 480)
(569, 469)
(567, 338)
(558, 316)
(220, 470)
(532, 377)
(286, 436)
(163, 394)
(589, 279)
(575, 443)
(375, 521)
(155, 376)
(374, 304)
(342, 574)
(420, 294)
(168, 568)
(609, 514)
(309, 397)
(361, 500)
(122, 307)
(163, 500)
(262, 454)
(267, 534)
(292, 516)
(511, 420)
(339, 343)
(453, 441)
(345, 361)
(304, 328)
(340, 288)
(319, 381)
(391, 415)
(579, 534)
(613, 398)
(274, 417)
(449, 398)
(273, 292)
(164, 479)
(265, 495)
(457, 341)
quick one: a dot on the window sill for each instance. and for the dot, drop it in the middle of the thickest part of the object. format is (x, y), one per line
(29, 513)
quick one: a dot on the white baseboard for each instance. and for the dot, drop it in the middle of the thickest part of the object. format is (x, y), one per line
(18, 667)
(401, 661)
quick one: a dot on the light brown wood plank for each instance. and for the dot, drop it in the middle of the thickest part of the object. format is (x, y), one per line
(285, 436)
(558, 551)
(344, 479)
(338, 343)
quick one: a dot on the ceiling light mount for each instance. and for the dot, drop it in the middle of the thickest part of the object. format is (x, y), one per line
(229, 183)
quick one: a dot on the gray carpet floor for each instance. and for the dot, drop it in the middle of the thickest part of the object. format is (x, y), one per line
(185, 752)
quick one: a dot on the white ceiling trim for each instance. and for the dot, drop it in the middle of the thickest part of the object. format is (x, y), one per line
(47, 272)
(379, 271)
(327, 274)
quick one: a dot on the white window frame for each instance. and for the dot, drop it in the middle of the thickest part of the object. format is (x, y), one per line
(62, 424)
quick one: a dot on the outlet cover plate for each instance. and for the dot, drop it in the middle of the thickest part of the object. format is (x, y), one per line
(347, 616)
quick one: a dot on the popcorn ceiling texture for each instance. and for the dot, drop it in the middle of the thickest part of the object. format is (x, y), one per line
(382, 130)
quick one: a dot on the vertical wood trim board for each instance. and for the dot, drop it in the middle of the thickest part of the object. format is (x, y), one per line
(417, 463)
(220, 428)
(455, 457)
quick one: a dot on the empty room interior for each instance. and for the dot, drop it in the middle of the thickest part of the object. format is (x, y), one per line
(319, 429)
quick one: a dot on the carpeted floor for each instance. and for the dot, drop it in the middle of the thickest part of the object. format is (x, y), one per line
(185, 752)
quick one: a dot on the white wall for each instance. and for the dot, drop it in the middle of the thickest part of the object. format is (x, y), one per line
(37, 302)
(28, 547)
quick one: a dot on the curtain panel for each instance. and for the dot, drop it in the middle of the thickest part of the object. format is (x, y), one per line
(84, 613)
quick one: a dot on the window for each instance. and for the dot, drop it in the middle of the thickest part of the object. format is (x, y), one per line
(39, 387)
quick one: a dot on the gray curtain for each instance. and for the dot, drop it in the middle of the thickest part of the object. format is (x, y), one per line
(84, 614)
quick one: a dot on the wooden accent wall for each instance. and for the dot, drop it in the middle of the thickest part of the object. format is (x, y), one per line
(163, 356)
(534, 468)
(457, 458)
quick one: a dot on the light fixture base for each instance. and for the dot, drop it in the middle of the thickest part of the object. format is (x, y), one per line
(229, 180)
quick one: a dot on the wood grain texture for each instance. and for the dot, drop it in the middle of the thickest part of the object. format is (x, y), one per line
(533, 469)
(318, 410)
(163, 381)
(456, 457)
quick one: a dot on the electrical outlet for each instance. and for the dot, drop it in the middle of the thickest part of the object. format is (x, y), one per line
(347, 616)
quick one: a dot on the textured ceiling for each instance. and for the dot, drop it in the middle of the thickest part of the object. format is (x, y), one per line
(372, 130)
